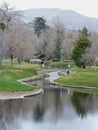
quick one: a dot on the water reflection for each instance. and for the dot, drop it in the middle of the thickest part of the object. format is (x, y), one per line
(38, 113)
(55, 109)
(82, 103)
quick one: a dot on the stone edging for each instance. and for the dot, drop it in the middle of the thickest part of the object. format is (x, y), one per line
(34, 78)
(72, 86)
(34, 93)
(19, 95)
(26, 80)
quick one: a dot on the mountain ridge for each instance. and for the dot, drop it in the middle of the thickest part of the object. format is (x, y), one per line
(71, 19)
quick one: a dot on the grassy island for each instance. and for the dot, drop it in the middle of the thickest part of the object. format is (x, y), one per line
(9, 77)
(83, 77)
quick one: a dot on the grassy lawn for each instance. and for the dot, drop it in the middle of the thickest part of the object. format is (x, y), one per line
(9, 77)
(83, 77)
(59, 65)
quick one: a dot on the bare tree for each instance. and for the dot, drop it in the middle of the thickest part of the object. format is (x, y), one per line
(11, 46)
(24, 43)
(68, 43)
(59, 29)
(2, 47)
(7, 16)
(44, 45)
(92, 52)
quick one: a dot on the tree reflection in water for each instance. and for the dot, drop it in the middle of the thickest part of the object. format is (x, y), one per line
(57, 102)
(54, 108)
(10, 110)
(82, 103)
(38, 113)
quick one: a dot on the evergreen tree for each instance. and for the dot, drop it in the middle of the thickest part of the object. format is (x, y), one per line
(2, 26)
(84, 32)
(57, 51)
(80, 48)
(39, 25)
(59, 37)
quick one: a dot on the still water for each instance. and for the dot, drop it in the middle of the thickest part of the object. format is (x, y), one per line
(55, 109)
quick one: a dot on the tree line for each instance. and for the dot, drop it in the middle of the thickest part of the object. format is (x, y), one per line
(38, 40)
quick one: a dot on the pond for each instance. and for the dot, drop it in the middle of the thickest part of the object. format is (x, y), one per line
(55, 109)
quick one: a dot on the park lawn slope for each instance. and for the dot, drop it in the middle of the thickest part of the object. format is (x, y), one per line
(81, 78)
(9, 77)
(59, 64)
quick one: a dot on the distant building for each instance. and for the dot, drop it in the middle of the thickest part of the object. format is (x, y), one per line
(35, 61)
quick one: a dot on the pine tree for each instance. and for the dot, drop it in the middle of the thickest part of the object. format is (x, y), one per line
(2, 26)
(57, 51)
(39, 25)
(80, 47)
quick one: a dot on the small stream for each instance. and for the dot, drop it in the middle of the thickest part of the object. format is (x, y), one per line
(54, 109)
(52, 76)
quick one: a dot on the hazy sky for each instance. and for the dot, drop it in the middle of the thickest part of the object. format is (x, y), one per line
(85, 7)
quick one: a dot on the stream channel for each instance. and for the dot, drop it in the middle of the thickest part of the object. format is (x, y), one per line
(54, 109)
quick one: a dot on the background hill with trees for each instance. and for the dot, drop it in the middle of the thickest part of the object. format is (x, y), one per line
(39, 40)
(71, 19)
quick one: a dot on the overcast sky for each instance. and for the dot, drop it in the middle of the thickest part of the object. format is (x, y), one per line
(85, 7)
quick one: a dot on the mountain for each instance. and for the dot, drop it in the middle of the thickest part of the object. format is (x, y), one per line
(71, 19)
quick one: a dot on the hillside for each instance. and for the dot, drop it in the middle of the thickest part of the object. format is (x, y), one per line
(71, 19)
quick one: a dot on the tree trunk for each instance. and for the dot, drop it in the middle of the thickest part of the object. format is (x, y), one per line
(0, 64)
(11, 61)
(22, 64)
(84, 66)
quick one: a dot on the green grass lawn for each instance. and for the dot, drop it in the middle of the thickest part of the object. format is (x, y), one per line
(58, 64)
(83, 77)
(9, 77)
